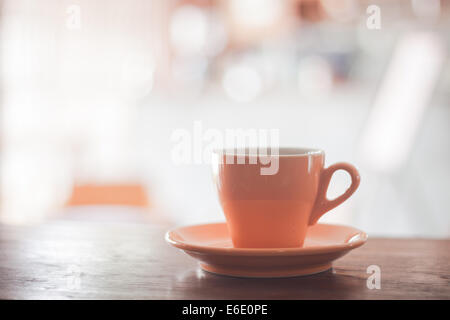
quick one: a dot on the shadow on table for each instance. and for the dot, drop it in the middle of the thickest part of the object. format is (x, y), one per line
(198, 284)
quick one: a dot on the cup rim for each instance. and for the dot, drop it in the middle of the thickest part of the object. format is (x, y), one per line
(282, 151)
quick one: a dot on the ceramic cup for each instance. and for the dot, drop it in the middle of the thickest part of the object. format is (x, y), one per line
(274, 209)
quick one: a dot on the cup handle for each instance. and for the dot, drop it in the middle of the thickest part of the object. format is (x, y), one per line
(322, 204)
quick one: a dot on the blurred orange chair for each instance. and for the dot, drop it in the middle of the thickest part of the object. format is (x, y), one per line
(109, 194)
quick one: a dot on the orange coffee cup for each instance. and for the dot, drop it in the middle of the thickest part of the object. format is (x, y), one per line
(273, 208)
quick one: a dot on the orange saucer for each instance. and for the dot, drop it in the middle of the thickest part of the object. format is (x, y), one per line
(211, 245)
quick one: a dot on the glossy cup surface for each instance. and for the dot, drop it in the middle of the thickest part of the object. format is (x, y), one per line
(272, 210)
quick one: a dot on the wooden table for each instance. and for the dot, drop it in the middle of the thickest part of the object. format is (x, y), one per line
(85, 258)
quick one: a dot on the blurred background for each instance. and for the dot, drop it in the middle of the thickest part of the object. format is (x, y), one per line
(92, 92)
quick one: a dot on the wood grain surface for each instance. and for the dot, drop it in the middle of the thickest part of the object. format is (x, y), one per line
(127, 258)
